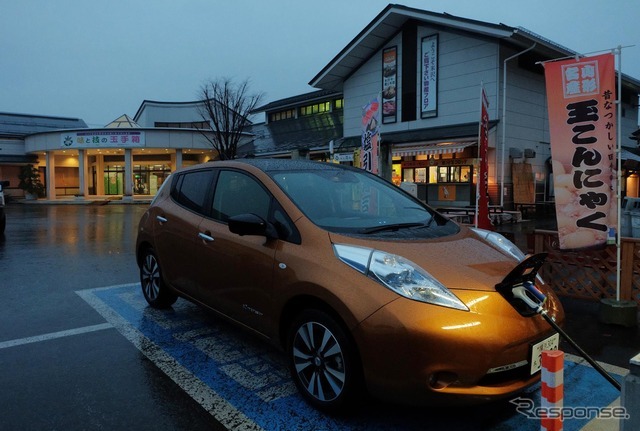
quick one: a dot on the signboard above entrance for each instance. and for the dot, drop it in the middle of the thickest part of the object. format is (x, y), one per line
(102, 139)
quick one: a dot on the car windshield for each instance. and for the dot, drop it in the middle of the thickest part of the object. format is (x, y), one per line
(353, 201)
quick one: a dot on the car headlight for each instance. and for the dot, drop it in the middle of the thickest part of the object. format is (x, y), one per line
(398, 274)
(501, 242)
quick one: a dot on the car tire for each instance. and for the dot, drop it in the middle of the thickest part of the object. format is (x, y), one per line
(323, 362)
(157, 294)
(3, 223)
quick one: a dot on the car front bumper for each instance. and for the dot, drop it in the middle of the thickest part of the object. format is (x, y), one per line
(418, 353)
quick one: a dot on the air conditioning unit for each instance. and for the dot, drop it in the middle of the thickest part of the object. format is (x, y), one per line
(515, 153)
(529, 153)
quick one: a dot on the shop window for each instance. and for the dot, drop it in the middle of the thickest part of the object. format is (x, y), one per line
(443, 174)
(396, 174)
(454, 174)
(433, 174)
(420, 175)
(465, 174)
(147, 179)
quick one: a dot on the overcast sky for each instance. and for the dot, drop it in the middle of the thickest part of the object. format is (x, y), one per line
(99, 59)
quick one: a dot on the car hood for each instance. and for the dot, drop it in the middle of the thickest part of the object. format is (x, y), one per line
(461, 261)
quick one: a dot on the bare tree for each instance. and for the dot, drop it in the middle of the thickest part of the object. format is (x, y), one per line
(227, 107)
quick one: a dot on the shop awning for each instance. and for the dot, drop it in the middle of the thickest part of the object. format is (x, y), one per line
(433, 148)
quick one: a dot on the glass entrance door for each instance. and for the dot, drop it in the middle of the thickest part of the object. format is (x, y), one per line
(114, 182)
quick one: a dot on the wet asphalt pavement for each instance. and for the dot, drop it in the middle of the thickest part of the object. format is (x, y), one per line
(63, 368)
(94, 380)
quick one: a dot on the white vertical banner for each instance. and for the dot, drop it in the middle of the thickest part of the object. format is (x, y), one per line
(429, 77)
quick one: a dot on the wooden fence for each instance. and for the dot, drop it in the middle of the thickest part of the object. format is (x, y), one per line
(589, 274)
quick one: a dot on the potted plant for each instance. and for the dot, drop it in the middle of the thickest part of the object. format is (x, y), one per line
(30, 182)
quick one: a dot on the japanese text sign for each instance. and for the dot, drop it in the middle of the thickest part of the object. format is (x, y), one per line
(370, 136)
(429, 78)
(103, 139)
(582, 125)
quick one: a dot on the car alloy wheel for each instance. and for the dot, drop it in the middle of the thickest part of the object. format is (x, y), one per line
(321, 359)
(153, 288)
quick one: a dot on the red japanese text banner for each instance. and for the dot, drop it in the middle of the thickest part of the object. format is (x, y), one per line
(370, 136)
(582, 125)
(482, 191)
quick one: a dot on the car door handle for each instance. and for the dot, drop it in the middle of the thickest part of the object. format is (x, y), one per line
(161, 219)
(203, 236)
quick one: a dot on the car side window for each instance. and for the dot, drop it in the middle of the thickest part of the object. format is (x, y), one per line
(190, 189)
(238, 193)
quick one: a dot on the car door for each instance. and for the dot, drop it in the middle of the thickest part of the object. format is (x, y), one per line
(236, 271)
(178, 219)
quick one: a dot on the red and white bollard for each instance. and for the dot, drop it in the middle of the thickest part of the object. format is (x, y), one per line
(552, 389)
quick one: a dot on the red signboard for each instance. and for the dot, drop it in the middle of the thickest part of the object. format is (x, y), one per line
(482, 188)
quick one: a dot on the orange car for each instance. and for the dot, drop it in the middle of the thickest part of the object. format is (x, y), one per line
(363, 286)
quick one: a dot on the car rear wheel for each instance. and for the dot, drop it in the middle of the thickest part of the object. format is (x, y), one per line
(154, 290)
(323, 362)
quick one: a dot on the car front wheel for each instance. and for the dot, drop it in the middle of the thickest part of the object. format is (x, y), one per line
(323, 362)
(154, 290)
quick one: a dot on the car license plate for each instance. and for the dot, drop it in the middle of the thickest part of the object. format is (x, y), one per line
(550, 343)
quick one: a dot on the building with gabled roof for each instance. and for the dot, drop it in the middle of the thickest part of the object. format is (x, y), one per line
(428, 68)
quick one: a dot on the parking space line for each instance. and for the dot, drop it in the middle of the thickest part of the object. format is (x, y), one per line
(54, 335)
(609, 368)
(223, 411)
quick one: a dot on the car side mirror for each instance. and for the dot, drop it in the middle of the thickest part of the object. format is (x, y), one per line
(251, 224)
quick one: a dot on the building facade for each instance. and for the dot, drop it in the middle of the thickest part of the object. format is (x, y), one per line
(126, 158)
(14, 128)
(300, 126)
(426, 70)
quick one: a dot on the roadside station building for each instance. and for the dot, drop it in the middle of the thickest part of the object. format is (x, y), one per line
(428, 69)
(128, 157)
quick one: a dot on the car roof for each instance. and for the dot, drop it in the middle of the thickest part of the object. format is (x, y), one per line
(270, 165)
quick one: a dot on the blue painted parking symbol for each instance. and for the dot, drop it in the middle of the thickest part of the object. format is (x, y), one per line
(245, 384)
